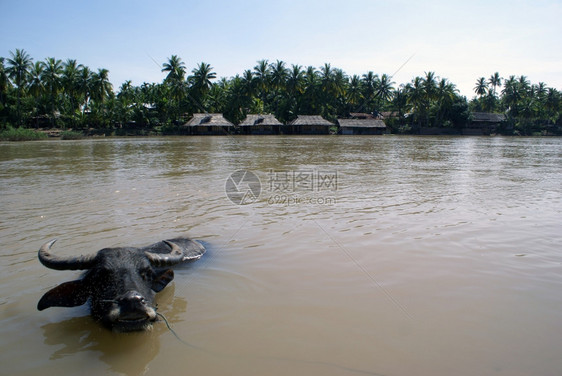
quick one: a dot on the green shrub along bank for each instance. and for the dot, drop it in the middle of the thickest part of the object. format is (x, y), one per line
(21, 134)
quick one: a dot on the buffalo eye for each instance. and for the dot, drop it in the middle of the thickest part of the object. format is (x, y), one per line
(146, 274)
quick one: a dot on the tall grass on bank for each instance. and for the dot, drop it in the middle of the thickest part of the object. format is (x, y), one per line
(21, 134)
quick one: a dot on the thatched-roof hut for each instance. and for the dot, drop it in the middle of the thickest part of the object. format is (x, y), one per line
(209, 124)
(361, 126)
(308, 124)
(260, 124)
(484, 123)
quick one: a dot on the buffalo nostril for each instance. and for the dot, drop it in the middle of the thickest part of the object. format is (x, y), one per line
(132, 297)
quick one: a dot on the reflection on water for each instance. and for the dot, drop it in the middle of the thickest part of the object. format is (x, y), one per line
(124, 353)
(117, 350)
(362, 255)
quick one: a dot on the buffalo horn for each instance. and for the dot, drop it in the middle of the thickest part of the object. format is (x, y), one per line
(63, 263)
(166, 259)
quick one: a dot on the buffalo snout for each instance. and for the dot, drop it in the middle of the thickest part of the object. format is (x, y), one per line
(130, 311)
(132, 304)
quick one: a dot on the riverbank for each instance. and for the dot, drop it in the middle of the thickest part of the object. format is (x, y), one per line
(15, 136)
(24, 134)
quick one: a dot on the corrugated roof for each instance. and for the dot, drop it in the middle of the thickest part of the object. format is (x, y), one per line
(361, 123)
(254, 119)
(311, 120)
(488, 117)
(208, 120)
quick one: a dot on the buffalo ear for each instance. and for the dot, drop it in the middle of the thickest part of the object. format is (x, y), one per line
(68, 294)
(162, 280)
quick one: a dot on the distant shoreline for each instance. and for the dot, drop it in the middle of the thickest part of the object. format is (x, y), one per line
(59, 134)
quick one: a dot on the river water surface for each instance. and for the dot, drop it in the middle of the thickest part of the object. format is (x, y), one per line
(360, 255)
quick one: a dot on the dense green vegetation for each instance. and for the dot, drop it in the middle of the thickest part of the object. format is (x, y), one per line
(57, 94)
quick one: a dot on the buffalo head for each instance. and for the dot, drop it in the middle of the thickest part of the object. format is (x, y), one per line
(120, 283)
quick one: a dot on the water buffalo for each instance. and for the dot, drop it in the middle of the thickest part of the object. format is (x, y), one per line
(119, 282)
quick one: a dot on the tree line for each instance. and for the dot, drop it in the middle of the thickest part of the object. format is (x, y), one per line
(66, 94)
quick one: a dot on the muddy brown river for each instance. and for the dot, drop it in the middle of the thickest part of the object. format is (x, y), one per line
(328, 255)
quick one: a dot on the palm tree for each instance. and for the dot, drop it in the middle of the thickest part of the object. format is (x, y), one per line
(51, 77)
(261, 72)
(340, 82)
(295, 86)
(4, 81)
(510, 95)
(524, 84)
(175, 80)
(231, 98)
(201, 83)
(446, 93)
(248, 83)
(202, 76)
(354, 95)
(278, 75)
(385, 88)
(125, 101)
(217, 100)
(488, 102)
(339, 87)
(70, 76)
(370, 82)
(35, 84)
(175, 68)
(326, 78)
(400, 101)
(416, 97)
(540, 93)
(541, 90)
(18, 71)
(126, 91)
(332, 85)
(101, 90)
(429, 84)
(495, 80)
(310, 103)
(84, 87)
(278, 79)
(552, 104)
(295, 81)
(101, 87)
(481, 87)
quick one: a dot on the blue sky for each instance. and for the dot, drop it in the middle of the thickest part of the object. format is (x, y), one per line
(458, 40)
